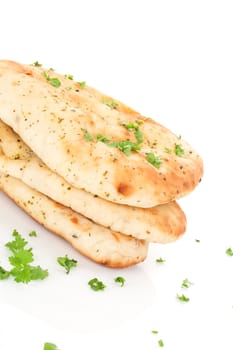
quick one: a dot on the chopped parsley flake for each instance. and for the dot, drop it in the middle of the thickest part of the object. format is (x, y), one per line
(96, 285)
(66, 263)
(110, 104)
(160, 260)
(32, 234)
(186, 283)
(154, 160)
(37, 64)
(154, 332)
(197, 240)
(50, 346)
(82, 84)
(69, 76)
(120, 280)
(125, 146)
(229, 252)
(160, 343)
(178, 150)
(53, 81)
(182, 298)
(87, 135)
(102, 138)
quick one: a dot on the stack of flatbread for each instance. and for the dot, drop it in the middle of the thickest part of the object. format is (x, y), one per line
(89, 168)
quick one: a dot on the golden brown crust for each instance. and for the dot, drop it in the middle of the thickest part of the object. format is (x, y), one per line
(99, 244)
(52, 120)
(163, 223)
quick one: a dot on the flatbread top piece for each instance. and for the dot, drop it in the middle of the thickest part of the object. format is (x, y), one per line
(95, 142)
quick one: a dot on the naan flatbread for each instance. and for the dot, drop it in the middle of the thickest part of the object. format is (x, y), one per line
(94, 241)
(163, 223)
(84, 135)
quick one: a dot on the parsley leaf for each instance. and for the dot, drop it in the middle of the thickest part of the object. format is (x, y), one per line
(102, 138)
(154, 160)
(32, 234)
(229, 251)
(50, 346)
(37, 64)
(160, 343)
(20, 259)
(96, 285)
(87, 135)
(182, 298)
(125, 146)
(67, 263)
(178, 150)
(186, 283)
(53, 81)
(4, 274)
(69, 76)
(120, 280)
(110, 104)
(160, 260)
(82, 84)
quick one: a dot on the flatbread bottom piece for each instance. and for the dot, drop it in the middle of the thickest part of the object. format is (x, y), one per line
(96, 242)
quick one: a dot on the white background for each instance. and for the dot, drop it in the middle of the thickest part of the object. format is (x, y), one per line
(172, 61)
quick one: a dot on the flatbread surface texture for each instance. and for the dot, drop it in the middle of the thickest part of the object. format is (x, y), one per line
(98, 243)
(95, 142)
(163, 223)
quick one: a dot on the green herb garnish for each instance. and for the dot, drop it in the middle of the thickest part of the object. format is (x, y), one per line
(182, 298)
(186, 283)
(137, 132)
(4, 274)
(37, 64)
(168, 150)
(102, 138)
(87, 135)
(50, 346)
(160, 260)
(67, 263)
(229, 252)
(197, 240)
(120, 280)
(110, 104)
(160, 343)
(125, 146)
(21, 260)
(53, 81)
(154, 160)
(69, 76)
(82, 84)
(32, 234)
(155, 332)
(96, 285)
(178, 150)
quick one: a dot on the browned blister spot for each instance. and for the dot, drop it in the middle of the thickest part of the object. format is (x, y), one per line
(125, 189)
(74, 220)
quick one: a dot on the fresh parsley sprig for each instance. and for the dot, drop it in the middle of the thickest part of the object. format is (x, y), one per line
(20, 260)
